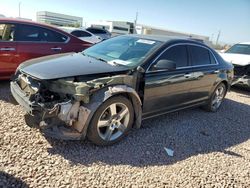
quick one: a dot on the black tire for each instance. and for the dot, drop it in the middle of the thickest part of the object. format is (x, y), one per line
(210, 107)
(94, 132)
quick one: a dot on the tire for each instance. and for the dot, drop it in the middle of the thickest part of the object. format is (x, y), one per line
(212, 106)
(111, 121)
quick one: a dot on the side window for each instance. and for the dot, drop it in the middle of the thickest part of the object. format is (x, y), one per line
(34, 34)
(200, 56)
(7, 32)
(81, 34)
(52, 36)
(177, 54)
(96, 31)
(212, 60)
(28, 33)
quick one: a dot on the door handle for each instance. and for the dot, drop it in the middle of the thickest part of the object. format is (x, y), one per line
(7, 49)
(56, 48)
(188, 75)
(216, 71)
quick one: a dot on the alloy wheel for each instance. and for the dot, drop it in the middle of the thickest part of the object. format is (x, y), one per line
(218, 97)
(113, 121)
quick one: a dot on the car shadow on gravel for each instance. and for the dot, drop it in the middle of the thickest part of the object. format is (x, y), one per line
(241, 90)
(7, 180)
(188, 133)
(5, 94)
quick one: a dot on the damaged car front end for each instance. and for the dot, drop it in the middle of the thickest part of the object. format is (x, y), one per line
(61, 93)
(239, 56)
(62, 108)
(242, 75)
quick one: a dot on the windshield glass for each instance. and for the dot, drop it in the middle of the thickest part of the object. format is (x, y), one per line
(239, 49)
(123, 50)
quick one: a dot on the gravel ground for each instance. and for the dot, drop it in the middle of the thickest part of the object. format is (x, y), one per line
(210, 150)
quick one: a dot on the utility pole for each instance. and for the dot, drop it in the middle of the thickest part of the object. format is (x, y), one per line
(19, 6)
(212, 38)
(217, 40)
(135, 23)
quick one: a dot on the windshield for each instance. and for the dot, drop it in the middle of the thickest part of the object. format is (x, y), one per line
(239, 49)
(123, 50)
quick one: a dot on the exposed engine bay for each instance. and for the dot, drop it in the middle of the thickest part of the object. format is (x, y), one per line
(242, 75)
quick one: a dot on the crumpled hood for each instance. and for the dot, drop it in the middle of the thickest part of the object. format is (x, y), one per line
(66, 65)
(237, 59)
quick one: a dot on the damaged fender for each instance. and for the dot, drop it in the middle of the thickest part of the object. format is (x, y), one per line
(104, 94)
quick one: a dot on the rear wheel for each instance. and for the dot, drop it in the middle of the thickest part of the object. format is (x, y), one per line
(112, 121)
(216, 99)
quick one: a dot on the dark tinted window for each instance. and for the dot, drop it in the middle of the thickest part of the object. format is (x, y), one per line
(7, 32)
(200, 56)
(80, 34)
(96, 31)
(178, 54)
(33, 33)
(212, 60)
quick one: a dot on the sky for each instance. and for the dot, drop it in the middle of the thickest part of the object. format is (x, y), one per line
(204, 17)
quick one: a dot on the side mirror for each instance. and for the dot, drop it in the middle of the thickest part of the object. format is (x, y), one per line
(165, 64)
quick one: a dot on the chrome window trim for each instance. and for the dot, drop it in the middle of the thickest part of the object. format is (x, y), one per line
(180, 68)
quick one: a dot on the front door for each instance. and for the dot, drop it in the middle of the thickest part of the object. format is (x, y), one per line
(167, 90)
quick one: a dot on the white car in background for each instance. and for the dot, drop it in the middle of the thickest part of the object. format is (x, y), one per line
(82, 34)
(239, 56)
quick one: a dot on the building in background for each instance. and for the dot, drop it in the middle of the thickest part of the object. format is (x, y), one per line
(58, 19)
(2, 16)
(149, 30)
(122, 27)
(115, 27)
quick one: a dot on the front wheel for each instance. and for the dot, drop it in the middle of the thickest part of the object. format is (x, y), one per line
(112, 121)
(216, 98)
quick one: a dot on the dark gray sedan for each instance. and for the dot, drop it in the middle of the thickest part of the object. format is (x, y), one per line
(109, 88)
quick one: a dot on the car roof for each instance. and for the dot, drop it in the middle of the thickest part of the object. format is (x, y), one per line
(164, 38)
(248, 43)
(70, 29)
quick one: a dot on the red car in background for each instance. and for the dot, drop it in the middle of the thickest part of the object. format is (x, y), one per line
(22, 40)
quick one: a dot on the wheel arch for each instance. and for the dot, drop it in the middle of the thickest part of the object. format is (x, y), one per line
(104, 94)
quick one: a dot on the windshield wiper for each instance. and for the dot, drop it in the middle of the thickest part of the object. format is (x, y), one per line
(97, 58)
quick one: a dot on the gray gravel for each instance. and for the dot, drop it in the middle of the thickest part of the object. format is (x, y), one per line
(210, 150)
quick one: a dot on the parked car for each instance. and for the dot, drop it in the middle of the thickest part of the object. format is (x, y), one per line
(103, 33)
(239, 56)
(22, 40)
(82, 34)
(110, 87)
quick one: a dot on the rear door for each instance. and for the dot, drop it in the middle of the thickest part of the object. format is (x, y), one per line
(8, 50)
(35, 41)
(204, 73)
(167, 90)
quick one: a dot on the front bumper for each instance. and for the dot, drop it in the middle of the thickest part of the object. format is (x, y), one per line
(49, 123)
(22, 98)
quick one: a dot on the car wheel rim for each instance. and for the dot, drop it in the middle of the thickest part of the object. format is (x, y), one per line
(218, 97)
(113, 121)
